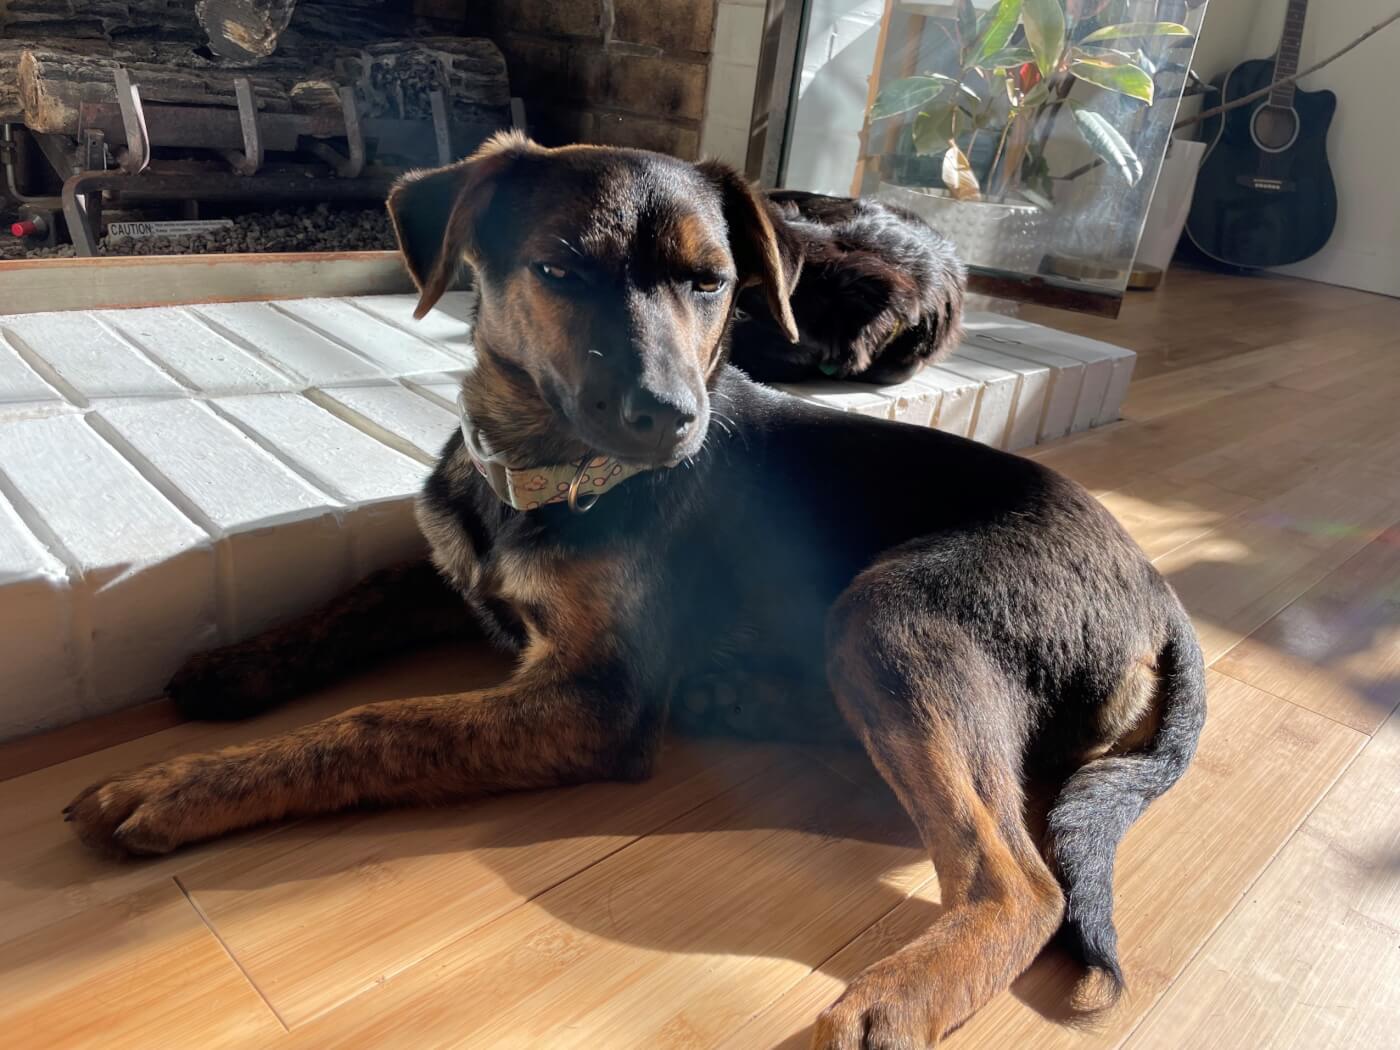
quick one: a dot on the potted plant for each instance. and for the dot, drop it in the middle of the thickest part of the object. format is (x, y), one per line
(983, 126)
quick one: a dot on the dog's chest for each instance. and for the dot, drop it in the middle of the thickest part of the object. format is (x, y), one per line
(521, 589)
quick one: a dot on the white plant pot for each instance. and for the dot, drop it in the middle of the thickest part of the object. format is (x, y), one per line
(1004, 236)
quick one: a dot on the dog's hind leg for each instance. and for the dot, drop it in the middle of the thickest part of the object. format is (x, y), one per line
(387, 613)
(942, 724)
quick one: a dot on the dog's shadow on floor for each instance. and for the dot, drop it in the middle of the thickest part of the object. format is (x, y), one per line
(731, 850)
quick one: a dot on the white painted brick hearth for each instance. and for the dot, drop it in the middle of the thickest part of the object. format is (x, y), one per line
(180, 477)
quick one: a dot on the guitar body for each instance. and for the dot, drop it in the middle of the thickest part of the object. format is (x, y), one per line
(1264, 195)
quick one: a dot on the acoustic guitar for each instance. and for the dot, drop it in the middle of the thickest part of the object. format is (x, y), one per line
(1265, 195)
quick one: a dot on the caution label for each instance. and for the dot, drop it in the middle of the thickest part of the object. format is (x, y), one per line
(173, 228)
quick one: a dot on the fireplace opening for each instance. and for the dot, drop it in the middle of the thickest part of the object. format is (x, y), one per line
(186, 126)
(251, 128)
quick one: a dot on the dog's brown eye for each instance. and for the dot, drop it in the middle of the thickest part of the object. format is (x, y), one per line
(707, 285)
(549, 270)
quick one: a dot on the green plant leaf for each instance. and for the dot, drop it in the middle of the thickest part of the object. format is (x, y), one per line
(1102, 52)
(967, 27)
(933, 129)
(1045, 31)
(1007, 56)
(957, 175)
(1111, 70)
(1127, 29)
(900, 96)
(997, 27)
(1103, 139)
(1135, 56)
(969, 92)
(1036, 95)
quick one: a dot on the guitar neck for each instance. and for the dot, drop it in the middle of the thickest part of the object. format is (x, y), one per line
(1286, 60)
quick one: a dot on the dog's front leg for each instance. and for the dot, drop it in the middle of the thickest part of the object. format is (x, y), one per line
(543, 727)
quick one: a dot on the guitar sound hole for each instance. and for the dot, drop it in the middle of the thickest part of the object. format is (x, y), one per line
(1274, 128)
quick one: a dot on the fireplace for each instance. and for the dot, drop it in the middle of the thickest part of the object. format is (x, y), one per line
(179, 127)
(157, 126)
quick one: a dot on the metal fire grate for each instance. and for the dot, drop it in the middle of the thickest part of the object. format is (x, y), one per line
(113, 159)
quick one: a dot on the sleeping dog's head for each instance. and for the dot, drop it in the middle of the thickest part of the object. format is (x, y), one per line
(606, 280)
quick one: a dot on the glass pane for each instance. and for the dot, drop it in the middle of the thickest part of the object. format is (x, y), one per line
(1031, 132)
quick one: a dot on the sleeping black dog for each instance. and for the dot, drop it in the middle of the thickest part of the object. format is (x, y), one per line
(878, 295)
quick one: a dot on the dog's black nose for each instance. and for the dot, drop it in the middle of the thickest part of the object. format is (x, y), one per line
(646, 415)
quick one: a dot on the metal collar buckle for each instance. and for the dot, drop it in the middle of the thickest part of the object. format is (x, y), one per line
(577, 505)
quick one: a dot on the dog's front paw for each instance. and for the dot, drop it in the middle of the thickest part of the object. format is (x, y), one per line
(891, 1006)
(133, 814)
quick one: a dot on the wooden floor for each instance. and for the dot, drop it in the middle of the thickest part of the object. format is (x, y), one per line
(727, 901)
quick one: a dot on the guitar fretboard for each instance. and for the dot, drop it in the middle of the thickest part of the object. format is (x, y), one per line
(1286, 60)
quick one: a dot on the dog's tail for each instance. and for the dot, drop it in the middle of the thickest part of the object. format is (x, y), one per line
(1102, 799)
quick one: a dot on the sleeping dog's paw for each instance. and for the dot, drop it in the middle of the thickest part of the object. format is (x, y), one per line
(238, 681)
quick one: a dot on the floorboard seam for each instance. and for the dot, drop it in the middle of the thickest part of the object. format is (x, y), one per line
(229, 952)
(1293, 703)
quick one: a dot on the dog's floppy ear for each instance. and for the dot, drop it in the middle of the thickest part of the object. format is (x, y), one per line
(438, 214)
(758, 242)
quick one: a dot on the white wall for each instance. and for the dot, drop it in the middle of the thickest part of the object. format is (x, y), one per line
(1364, 144)
(1224, 36)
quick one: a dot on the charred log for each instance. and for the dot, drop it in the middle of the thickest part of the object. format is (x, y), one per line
(46, 88)
(53, 86)
(244, 30)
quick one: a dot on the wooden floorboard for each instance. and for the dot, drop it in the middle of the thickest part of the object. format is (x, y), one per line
(303, 910)
(139, 970)
(672, 942)
(724, 903)
(1335, 649)
(1310, 960)
(1238, 575)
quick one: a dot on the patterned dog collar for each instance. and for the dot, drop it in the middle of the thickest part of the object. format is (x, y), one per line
(578, 484)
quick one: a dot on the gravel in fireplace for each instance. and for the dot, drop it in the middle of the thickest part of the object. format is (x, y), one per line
(310, 229)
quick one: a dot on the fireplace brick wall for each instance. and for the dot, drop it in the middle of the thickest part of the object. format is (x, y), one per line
(615, 72)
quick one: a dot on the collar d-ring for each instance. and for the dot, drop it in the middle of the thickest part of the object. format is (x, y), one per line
(584, 505)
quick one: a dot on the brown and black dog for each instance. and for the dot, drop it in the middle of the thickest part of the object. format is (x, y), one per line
(980, 621)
